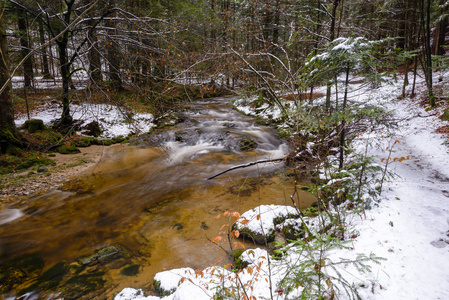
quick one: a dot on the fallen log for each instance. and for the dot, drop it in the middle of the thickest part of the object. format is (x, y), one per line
(247, 165)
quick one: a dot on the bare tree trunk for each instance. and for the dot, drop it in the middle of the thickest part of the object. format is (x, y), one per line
(28, 74)
(427, 63)
(8, 132)
(439, 34)
(113, 56)
(343, 122)
(45, 68)
(331, 38)
(94, 58)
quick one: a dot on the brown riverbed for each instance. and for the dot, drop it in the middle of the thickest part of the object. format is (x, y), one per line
(154, 203)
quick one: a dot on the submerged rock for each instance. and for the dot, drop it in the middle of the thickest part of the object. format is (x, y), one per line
(105, 255)
(247, 144)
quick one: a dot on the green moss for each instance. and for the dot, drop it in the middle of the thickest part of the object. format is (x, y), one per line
(12, 164)
(15, 151)
(107, 142)
(238, 262)
(48, 137)
(130, 270)
(160, 290)
(247, 144)
(445, 115)
(105, 255)
(68, 149)
(34, 125)
(85, 141)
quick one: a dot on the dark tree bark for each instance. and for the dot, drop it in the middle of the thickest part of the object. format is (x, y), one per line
(427, 62)
(439, 34)
(28, 74)
(94, 57)
(45, 65)
(331, 38)
(113, 55)
(8, 132)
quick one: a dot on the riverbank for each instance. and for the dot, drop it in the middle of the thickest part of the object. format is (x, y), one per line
(19, 186)
(395, 247)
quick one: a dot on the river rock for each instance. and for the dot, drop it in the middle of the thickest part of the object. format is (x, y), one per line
(259, 224)
(168, 119)
(42, 169)
(105, 255)
(247, 144)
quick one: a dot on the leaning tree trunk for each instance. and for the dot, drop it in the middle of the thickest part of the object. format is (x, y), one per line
(8, 132)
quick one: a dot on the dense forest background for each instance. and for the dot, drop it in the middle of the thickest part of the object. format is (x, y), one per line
(264, 47)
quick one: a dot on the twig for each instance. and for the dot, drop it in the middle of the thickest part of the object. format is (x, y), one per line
(247, 165)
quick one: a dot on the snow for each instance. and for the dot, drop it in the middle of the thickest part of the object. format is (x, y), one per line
(170, 279)
(408, 226)
(112, 119)
(133, 294)
(261, 219)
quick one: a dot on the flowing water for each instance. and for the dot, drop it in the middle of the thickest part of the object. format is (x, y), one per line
(152, 199)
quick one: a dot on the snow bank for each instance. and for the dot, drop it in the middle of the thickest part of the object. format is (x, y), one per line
(259, 223)
(113, 120)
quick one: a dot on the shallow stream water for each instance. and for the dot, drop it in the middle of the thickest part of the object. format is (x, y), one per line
(152, 199)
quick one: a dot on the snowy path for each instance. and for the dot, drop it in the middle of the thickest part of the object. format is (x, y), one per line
(411, 226)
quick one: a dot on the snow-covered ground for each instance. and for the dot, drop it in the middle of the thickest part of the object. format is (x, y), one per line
(408, 227)
(113, 120)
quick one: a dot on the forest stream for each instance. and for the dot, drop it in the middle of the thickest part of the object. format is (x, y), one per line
(145, 208)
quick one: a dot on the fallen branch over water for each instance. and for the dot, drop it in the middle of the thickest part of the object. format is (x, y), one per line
(246, 165)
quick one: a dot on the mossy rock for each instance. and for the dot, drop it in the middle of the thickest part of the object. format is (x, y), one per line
(292, 232)
(160, 290)
(48, 137)
(239, 264)
(107, 142)
(445, 115)
(93, 128)
(34, 125)
(68, 149)
(281, 219)
(168, 119)
(85, 142)
(130, 270)
(119, 139)
(247, 144)
(14, 151)
(256, 237)
(11, 163)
